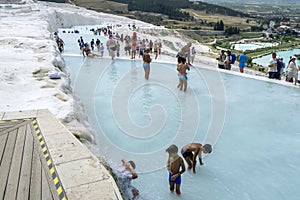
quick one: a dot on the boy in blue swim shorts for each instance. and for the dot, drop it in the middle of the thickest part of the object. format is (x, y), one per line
(175, 166)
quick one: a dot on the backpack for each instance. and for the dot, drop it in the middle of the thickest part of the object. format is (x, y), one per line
(233, 58)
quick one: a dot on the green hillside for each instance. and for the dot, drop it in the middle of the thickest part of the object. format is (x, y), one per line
(172, 8)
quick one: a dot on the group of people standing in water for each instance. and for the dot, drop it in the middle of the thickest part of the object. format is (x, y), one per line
(145, 48)
(132, 46)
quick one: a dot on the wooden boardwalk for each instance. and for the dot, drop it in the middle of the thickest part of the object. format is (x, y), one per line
(24, 171)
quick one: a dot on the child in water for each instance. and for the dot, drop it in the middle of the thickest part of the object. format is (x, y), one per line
(191, 151)
(146, 63)
(182, 66)
(174, 164)
(125, 174)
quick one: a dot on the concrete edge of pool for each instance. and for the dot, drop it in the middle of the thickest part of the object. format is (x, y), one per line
(80, 173)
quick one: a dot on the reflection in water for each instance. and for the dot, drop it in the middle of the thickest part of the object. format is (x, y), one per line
(133, 71)
(146, 99)
(113, 73)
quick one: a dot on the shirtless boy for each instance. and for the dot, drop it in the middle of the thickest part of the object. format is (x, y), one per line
(175, 166)
(190, 152)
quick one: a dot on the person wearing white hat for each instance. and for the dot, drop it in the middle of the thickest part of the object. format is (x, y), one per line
(292, 70)
(279, 68)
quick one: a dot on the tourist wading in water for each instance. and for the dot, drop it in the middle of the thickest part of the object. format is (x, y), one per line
(175, 166)
(112, 47)
(134, 44)
(146, 65)
(86, 51)
(191, 151)
(185, 52)
(182, 66)
(125, 177)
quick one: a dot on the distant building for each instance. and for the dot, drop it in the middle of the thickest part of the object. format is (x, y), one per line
(290, 23)
(272, 23)
(195, 1)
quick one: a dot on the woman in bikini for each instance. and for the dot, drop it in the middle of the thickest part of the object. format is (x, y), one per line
(146, 65)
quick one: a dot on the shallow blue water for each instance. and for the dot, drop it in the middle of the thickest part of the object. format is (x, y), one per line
(264, 60)
(243, 47)
(255, 157)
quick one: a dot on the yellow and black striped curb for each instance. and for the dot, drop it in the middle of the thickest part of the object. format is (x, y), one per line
(15, 120)
(52, 170)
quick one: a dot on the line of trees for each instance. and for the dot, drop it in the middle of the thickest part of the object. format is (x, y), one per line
(232, 31)
(158, 6)
(149, 18)
(219, 26)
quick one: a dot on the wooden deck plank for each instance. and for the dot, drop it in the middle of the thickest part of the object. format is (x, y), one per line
(36, 174)
(24, 172)
(5, 128)
(24, 183)
(7, 124)
(3, 139)
(13, 179)
(46, 192)
(7, 158)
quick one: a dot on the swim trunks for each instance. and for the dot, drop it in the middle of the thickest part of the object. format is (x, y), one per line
(181, 78)
(186, 154)
(177, 180)
(145, 65)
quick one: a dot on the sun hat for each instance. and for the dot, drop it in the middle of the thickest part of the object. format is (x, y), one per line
(293, 57)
